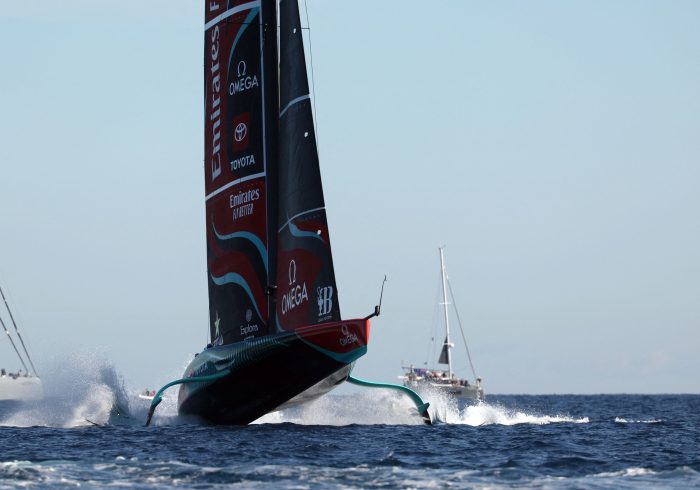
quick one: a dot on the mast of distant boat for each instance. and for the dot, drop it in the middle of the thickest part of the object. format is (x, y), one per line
(24, 347)
(448, 344)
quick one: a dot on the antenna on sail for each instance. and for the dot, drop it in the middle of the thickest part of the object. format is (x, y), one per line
(378, 308)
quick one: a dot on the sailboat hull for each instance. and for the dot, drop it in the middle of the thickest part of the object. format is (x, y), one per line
(464, 393)
(271, 372)
(20, 388)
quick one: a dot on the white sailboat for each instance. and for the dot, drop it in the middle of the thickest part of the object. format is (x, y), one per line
(440, 379)
(22, 385)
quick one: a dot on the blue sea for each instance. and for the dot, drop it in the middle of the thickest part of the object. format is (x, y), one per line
(372, 439)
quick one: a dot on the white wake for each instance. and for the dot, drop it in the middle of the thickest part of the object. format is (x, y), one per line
(85, 390)
(78, 391)
(377, 406)
(621, 420)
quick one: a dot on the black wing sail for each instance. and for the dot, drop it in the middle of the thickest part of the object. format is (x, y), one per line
(240, 52)
(306, 288)
(272, 292)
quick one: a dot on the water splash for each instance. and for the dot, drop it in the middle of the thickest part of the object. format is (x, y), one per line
(485, 414)
(621, 420)
(446, 409)
(370, 407)
(385, 407)
(166, 413)
(86, 390)
(78, 391)
(634, 471)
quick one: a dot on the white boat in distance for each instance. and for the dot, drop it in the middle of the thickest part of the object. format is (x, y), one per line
(440, 379)
(23, 385)
(147, 394)
(20, 387)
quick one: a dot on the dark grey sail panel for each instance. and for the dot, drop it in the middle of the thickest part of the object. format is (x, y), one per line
(444, 354)
(300, 175)
(306, 287)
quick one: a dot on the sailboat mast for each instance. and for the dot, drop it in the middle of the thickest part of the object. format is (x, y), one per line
(448, 344)
(13, 345)
(24, 347)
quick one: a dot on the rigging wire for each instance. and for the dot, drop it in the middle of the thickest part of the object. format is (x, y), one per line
(13, 344)
(313, 84)
(18, 334)
(459, 322)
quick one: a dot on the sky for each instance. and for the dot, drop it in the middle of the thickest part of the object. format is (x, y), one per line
(552, 147)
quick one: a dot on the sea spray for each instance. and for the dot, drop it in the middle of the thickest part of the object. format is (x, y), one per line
(386, 407)
(446, 409)
(487, 414)
(79, 390)
(380, 406)
(166, 413)
(372, 406)
(86, 389)
(621, 420)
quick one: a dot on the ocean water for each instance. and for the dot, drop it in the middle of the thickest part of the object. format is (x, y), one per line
(75, 438)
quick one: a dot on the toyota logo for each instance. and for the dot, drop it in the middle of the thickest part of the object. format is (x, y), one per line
(292, 272)
(345, 330)
(241, 68)
(240, 132)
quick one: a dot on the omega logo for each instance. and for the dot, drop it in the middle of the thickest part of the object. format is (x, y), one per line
(292, 272)
(297, 293)
(348, 337)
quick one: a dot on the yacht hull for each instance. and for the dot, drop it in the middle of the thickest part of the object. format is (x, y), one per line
(20, 388)
(465, 393)
(271, 372)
